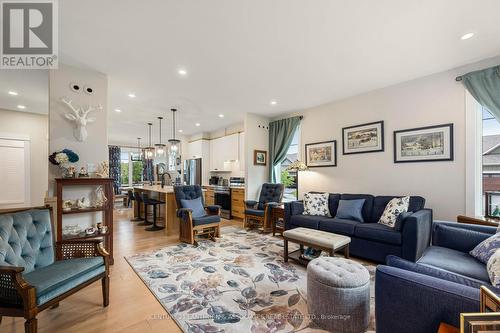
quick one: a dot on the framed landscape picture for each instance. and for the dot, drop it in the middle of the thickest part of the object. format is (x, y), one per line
(260, 157)
(321, 154)
(424, 144)
(364, 138)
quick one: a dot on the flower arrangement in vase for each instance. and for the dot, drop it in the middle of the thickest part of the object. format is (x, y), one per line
(63, 159)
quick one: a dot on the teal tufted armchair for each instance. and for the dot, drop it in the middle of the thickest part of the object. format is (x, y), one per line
(32, 279)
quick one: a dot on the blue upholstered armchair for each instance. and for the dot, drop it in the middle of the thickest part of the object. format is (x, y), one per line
(443, 283)
(260, 211)
(32, 279)
(195, 218)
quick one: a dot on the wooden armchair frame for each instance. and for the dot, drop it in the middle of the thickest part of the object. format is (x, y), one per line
(18, 297)
(261, 220)
(265, 220)
(189, 233)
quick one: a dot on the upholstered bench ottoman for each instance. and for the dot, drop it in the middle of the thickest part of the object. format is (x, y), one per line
(338, 294)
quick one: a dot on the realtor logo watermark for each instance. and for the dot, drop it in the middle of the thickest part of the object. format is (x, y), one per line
(29, 34)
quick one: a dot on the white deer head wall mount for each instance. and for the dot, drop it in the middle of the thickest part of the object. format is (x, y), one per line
(79, 117)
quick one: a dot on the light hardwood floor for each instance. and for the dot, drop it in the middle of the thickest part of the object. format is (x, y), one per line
(132, 307)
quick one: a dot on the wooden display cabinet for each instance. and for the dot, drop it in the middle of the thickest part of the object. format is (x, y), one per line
(106, 209)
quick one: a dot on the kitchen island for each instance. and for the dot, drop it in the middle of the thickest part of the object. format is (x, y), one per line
(167, 216)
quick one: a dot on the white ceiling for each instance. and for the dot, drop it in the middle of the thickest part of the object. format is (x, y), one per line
(240, 54)
(32, 87)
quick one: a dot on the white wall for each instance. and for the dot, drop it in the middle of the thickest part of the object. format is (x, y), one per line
(256, 137)
(432, 100)
(36, 127)
(95, 148)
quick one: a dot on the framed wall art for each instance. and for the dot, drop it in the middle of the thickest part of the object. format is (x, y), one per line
(424, 144)
(364, 138)
(321, 154)
(260, 157)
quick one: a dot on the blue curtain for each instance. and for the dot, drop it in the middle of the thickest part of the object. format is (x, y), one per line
(115, 166)
(147, 169)
(484, 85)
(280, 137)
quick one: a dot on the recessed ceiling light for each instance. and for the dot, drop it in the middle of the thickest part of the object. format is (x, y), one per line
(274, 102)
(221, 115)
(118, 110)
(131, 95)
(182, 72)
(467, 36)
(197, 124)
(22, 107)
(180, 131)
(13, 93)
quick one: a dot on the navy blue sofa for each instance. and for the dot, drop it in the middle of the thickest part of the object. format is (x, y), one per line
(443, 283)
(369, 239)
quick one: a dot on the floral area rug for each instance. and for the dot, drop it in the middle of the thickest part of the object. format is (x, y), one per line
(237, 284)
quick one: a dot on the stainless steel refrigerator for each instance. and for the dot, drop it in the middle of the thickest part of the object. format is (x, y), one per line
(192, 171)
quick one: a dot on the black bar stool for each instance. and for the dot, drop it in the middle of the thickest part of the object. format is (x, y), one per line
(130, 198)
(140, 202)
(155, 203)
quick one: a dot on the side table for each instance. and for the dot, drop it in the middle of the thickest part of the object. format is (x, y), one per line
(479, 220)
(278, 219)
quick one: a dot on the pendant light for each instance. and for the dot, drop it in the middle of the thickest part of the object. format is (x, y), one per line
(160, 147)
(139, 150)
(149, 152)
(174, 143)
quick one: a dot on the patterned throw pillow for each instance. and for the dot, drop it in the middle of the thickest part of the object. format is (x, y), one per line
(316, 204)
(392, 210)
(484, 250)
(493, 267)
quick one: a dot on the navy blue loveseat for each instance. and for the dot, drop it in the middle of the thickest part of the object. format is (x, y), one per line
(369, 239)
(443, 283)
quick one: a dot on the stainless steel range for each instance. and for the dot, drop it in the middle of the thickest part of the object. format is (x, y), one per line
(222, 197)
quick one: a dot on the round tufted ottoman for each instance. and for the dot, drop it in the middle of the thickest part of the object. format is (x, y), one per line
(338, 294)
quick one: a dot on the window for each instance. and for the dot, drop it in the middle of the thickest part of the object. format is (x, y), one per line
(130, 169)
(289, 178)
(124, 169)
(137, 172)
(490, 163)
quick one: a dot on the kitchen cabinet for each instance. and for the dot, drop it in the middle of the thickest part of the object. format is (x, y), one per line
(200, 149)
(216, 161)
(238, 203)
(209, 197)
(223, 149)
(195, 149)
(230, 143)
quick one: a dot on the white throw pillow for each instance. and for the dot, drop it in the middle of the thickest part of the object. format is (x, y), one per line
(493, 267)
(316, 204)
(393, 209)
